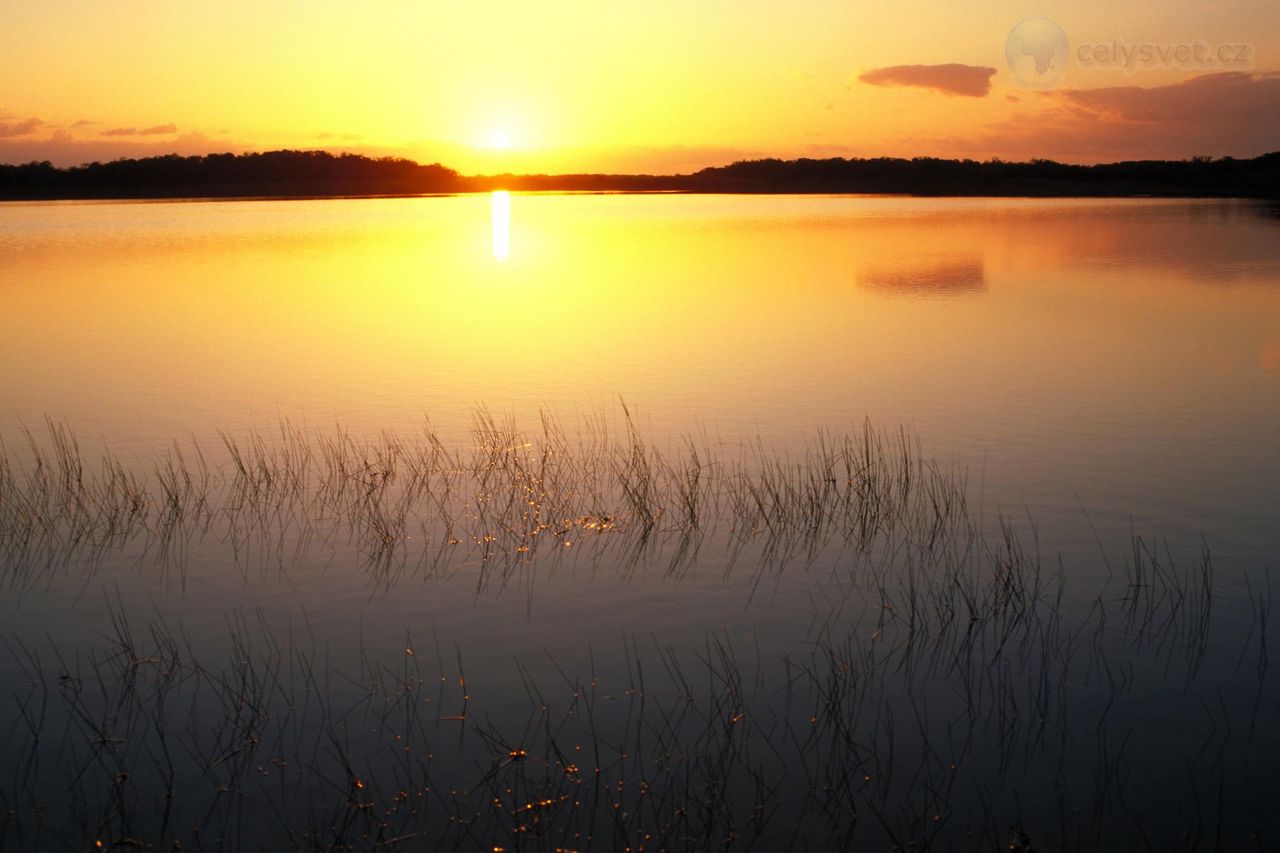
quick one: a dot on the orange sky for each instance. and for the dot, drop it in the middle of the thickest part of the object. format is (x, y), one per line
(622, 86)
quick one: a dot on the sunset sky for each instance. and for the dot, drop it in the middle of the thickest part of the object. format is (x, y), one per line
(622, 86)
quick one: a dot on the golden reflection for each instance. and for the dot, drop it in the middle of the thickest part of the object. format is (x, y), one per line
(383, 310)
(500, 214)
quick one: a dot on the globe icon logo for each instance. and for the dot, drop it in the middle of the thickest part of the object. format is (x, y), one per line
(1037, 50)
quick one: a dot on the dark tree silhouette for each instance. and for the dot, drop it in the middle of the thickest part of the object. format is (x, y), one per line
(1259, 177)
(319, 173)
(273, 173)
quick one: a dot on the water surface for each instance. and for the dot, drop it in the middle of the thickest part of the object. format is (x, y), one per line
(1091, 370)
(1126, 352)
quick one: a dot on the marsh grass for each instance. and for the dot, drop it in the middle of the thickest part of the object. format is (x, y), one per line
(413, 505)
(954, 696)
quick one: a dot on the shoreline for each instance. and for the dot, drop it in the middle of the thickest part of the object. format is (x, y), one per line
(266, 196)
(318, 174)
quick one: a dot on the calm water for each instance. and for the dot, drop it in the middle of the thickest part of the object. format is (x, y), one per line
(1120, 355)
(1115, 357)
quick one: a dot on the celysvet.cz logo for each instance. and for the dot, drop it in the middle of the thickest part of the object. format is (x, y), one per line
(1038, 53)
(1139, 56)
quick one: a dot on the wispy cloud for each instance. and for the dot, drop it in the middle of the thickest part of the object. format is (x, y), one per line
(1222, 114)
(20, 128)
(65, 149)
(155, 130)
(972, 81)
(1230, 113)
(1235, 97)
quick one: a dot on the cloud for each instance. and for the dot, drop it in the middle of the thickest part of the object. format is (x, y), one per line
(1234, 97)
(155, 130)
(973, 81)
(1223, 114)
(21, 128)
(1230, 113)
(62, 148)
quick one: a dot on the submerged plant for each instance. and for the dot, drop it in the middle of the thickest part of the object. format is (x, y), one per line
(955, 690)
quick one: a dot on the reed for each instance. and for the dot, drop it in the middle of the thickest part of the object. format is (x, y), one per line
(410, 504)
(955, 694)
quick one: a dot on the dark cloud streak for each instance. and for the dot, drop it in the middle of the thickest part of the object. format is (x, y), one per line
(155, 130)
(973, 81)
(1221, 114)
(64, 149)
(20, 128)
(1235, 97)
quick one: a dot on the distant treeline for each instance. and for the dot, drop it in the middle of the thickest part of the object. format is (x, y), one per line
(272, 173)
(1201, 176)
(319, 173)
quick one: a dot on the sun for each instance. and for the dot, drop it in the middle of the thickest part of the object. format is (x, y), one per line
(499, 139)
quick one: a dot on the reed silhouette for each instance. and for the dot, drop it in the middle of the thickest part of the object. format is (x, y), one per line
(961, 694)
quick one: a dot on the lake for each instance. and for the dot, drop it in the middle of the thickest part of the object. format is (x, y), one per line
(845, 520)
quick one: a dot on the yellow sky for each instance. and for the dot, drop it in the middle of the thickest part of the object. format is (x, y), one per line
(616, 86)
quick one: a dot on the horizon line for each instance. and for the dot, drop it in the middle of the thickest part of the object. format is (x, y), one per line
(994, 160)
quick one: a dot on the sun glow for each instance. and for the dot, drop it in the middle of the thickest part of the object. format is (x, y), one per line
(578, 86)
(498, 139)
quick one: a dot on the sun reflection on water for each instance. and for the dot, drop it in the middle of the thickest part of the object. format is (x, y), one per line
(500, 214)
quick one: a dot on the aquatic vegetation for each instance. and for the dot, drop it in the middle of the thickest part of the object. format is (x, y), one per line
(959, 691)
(413, 504)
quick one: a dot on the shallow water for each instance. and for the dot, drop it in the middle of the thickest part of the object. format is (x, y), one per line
(1092, 370)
